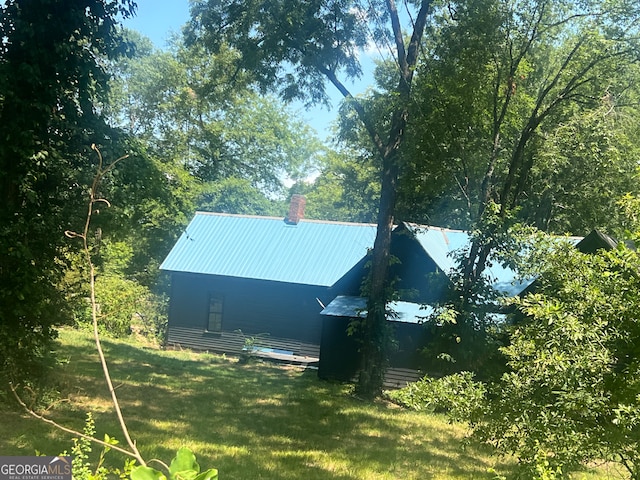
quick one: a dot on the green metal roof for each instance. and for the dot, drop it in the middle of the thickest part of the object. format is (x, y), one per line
(267, 248)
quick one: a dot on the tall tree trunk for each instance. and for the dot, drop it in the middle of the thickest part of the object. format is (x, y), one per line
(376, 335)
(376, 330)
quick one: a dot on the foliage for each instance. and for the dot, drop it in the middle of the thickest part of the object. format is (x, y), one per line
(573, 389)
(125, 304)
(152, 201)
(237, 195)
(585, 165)
(346, 189)
(197, 113)
(81, 465)
(456, 395)
(630, 206)
(183, 466)
(312, 37)
(527, 104)
(51, 78)
(467, 331)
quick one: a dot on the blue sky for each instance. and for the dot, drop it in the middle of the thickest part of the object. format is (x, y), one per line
(158, 19)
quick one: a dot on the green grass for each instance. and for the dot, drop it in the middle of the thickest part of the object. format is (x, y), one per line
(253, 421)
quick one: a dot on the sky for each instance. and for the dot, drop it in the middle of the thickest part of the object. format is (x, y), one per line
(158, 19)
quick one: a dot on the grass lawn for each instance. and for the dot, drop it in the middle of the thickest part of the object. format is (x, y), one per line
(254, 421)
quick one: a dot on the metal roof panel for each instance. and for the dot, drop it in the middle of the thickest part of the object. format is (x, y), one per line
(356, 307)
(441, 244)
(267, 248)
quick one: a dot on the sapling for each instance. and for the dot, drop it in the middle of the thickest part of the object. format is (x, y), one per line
(184, 465)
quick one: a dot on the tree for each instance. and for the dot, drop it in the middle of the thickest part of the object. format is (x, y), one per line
(237, 195)
(192, 111)
(523, 113)
(466, 121)
(573, 389)
(451, 153)
(585, 165)
(297, 47)
(346, 189)
(545, 63)
(51, 80)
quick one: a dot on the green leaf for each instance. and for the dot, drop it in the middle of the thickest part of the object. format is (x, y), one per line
(211, 474)
(110, 440)
(184, 465)
(146, 473)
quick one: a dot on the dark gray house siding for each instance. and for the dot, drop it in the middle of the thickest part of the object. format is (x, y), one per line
(416, 277)
(340, 358)
(276, 312)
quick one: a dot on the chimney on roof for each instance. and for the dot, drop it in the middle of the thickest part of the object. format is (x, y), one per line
(296, 209)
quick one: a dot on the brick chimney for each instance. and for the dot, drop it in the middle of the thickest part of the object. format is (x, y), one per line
(296, 209)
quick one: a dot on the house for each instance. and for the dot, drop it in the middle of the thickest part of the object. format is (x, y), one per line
(339, 359)
(235, 278)
(240, 280)
(431, 249)
(291, 286)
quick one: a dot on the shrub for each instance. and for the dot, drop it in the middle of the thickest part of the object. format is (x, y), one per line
(573, 390)
(456, 395)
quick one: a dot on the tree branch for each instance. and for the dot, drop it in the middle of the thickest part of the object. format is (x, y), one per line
(94, 304)
(69, 430)
(357, 106)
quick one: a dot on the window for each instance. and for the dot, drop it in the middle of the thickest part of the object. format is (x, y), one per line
(215, 313)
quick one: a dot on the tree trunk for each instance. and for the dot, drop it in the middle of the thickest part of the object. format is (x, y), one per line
(376, 335)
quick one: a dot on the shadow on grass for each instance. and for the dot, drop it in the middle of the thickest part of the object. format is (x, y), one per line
(258, 420)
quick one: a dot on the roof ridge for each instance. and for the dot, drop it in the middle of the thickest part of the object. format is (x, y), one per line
(270, 217)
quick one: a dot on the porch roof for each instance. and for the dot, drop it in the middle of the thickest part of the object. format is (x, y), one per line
(356, 307)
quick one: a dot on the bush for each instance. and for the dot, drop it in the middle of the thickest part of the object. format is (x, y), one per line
(573, 390)
(123, 303)
(456, 395)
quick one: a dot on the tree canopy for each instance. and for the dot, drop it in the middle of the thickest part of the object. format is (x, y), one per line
(51, 81)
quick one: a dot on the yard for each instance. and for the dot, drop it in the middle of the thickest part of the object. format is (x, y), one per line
(251, 421)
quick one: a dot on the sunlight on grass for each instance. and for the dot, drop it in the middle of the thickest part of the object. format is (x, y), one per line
(250, 421)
